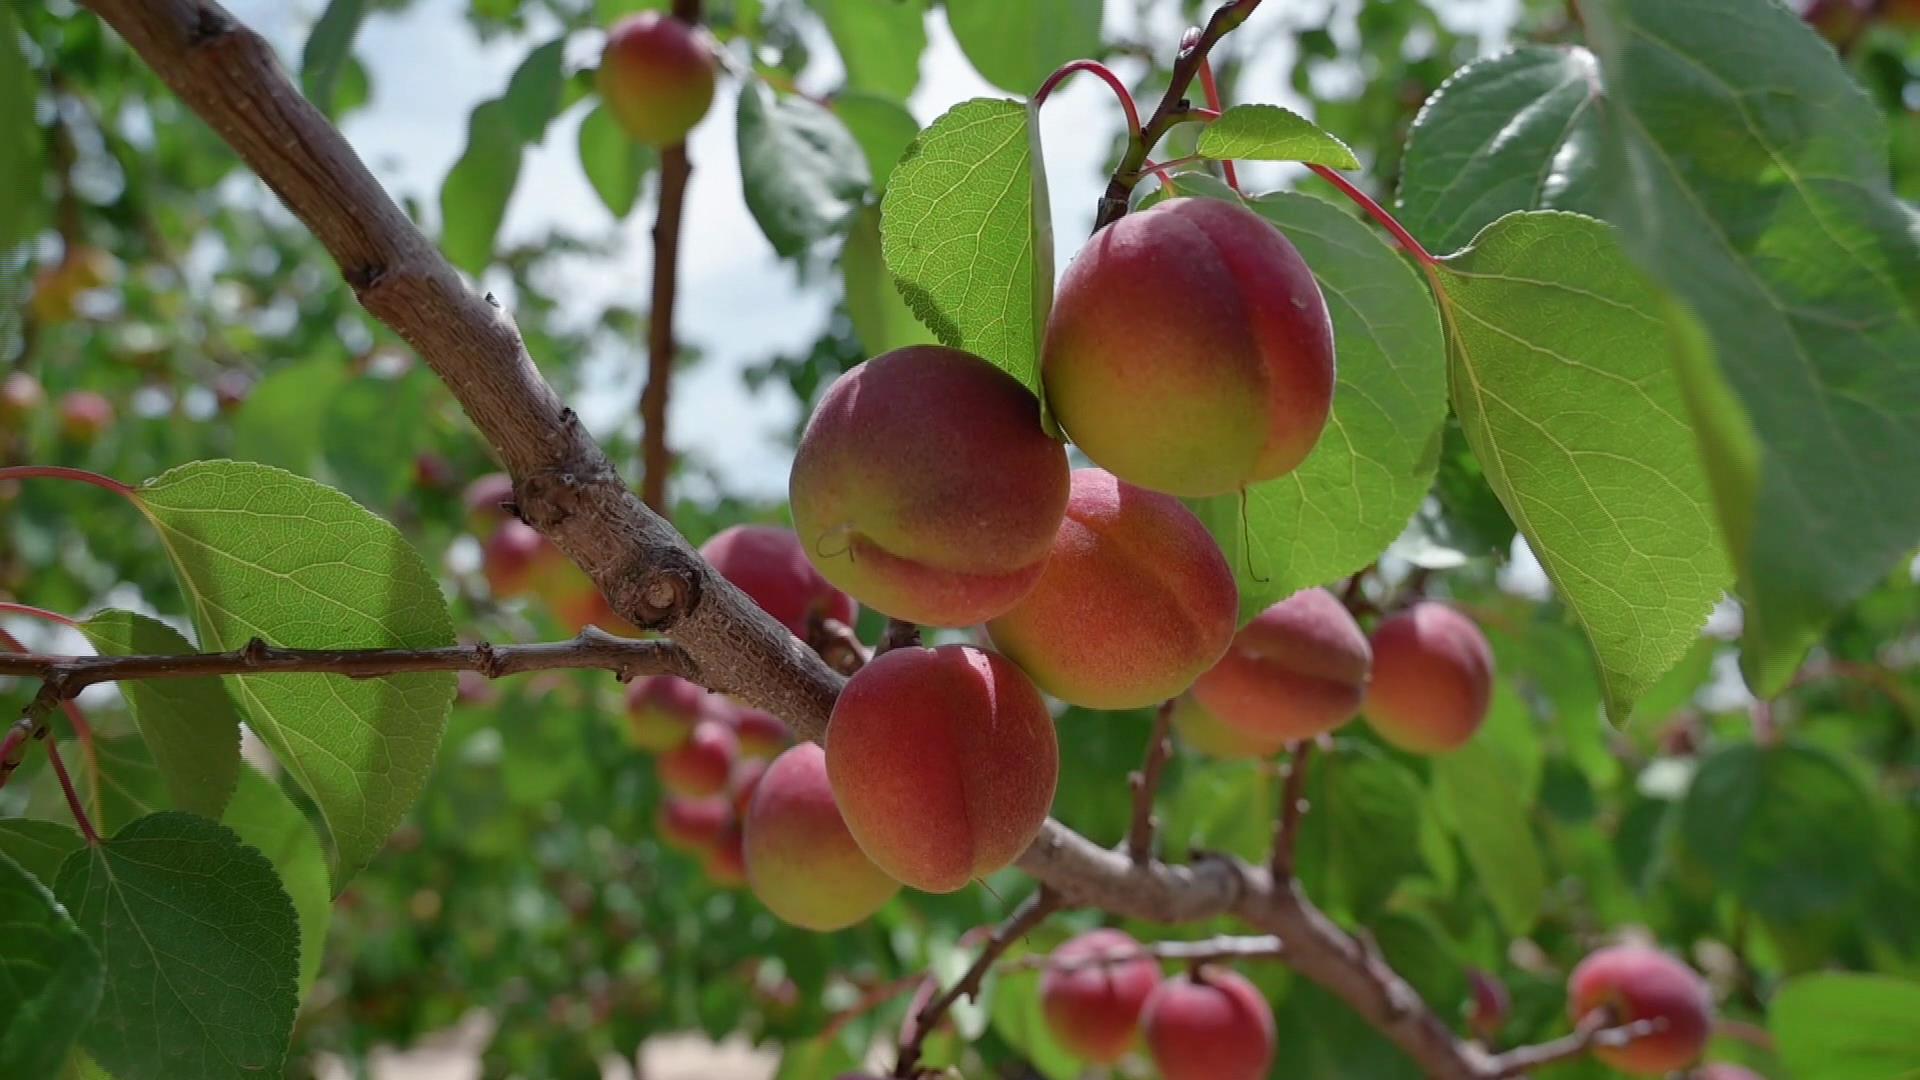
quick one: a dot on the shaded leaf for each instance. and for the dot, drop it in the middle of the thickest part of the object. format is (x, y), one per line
(328, 50)
(1562, 382)
(1016, 44)
(881, 319)
(191, 726)
(801, 172)
(880, 43)
(1847, 1027)
(615, 165)
(1758, 192)
(49, 977)
(266, 820)
(883, 128)
(199, 946)
(1271, 133)
(473, 198)
(20, 166)
(1476, 794)
(262, 553)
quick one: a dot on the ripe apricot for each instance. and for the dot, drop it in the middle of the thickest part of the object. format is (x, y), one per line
(761, 734)
(662, 710)
(1135, 601)
(1093, 990)
(925, 487)
(1189, 350)
(701, 765)
(802, 862)
(1213, 1025)
(85, 416)
(944, 763)
(1200, 729)
(656, 77)
(1297, 670)
(1641, 983)
(692, 825)
(767, 564)
(1432, 679)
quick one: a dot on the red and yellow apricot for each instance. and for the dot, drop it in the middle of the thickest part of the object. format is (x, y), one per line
(1135, 600)
(726, 861)
(21, 395)
(943, 762)
(1211, 1025)
(925, 487)
(1092, 992)
(761, 734)
(692, 825)
(741, 784)
(700, 766)
(656, 77)
(767, 564)
(1635, 982)
(1299, 669)
(1432, 679)
(1189, 350)
(1202, 731)
(85, 416)
(662, 710)
(802, 862)
(486, 499)
(517, 560)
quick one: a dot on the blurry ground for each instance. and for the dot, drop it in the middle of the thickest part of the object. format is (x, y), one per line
(454, 1054)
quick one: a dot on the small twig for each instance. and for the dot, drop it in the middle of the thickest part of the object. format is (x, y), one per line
(593, 648)
(1354, 595)
(1107, 76)
(1595, 1029)
(1145, 781)
(1207, 950)
(73, 797)
(899, 634)
(1379, 213)
(1293, 800)
(1031, 912)
(837, 644)
(1173, 108)
(1212, 90)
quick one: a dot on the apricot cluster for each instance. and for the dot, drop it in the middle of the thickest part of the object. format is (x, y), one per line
(1102, 994)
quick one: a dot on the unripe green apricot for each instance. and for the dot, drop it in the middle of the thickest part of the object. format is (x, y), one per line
(1189, 350)
(656, 77)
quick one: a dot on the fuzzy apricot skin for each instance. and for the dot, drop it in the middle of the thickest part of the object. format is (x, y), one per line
(1432, 679)
(1092, 997)
(801, 861)
(700, 766)
(1200, 730)
(767, 563)
(1212, 1027)
(1189, 350)
(925, 487)
(1136, 600)
(656, 77)
(1297, 670)
(944, 763)
(662, 711)
(1641, 983)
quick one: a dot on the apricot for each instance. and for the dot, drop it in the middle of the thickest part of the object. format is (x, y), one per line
(943, 762)
(802, 862)
(692, 825)
(21, 395)
(662, 710)
(741, 784)
(1641, 983)
(768, 565)
(85, 416)
(925, 487)
(1212, 1025)
(1297, 670)
(517, 560)
(761, 734)
(656, 77)
(1206, 733)
(726, 862)
(1135, 600)
(486, 499)
(1432, 679)
(1189, 350)
(701, 765)
(1092, 999)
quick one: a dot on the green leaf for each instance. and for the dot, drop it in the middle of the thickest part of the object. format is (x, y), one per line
(967, 234)
(1475, 793)
(879, 42)
(1375, 462)
(1271, 133)
(118, 784)
(1563, 385)
(200, 948)
(263, 553)
(1017, 1017)
(615, 165)
(1362, 839)
(191, 726)
(20, 167)
(38, 846)
(820, 1058)
(801, 172)
(265, 819)
(883, 128)
(1787, 829)
(49, 977)
(1220, 806)
(329, 47)
(1517, 131)
(1847, 1027)
(473, 198)
(1016, 44)
(1759, 195)
(371, 430)
(881, 319)
(279, 424)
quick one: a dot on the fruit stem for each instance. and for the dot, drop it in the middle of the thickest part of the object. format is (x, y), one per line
(1095, 67)
(1378, 213)
(62, 472)
(37, 613)
(1212, 90)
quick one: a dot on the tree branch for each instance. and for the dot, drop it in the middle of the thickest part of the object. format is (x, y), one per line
(1145, 781)
(1172, 109)
(662, 349)
(1205, 951)
(1031, 913)
(1293, 797)
(1597, 1028)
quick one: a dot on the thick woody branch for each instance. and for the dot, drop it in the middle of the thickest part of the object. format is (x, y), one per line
(565, 487)
(593, 649)
(1031, 913)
